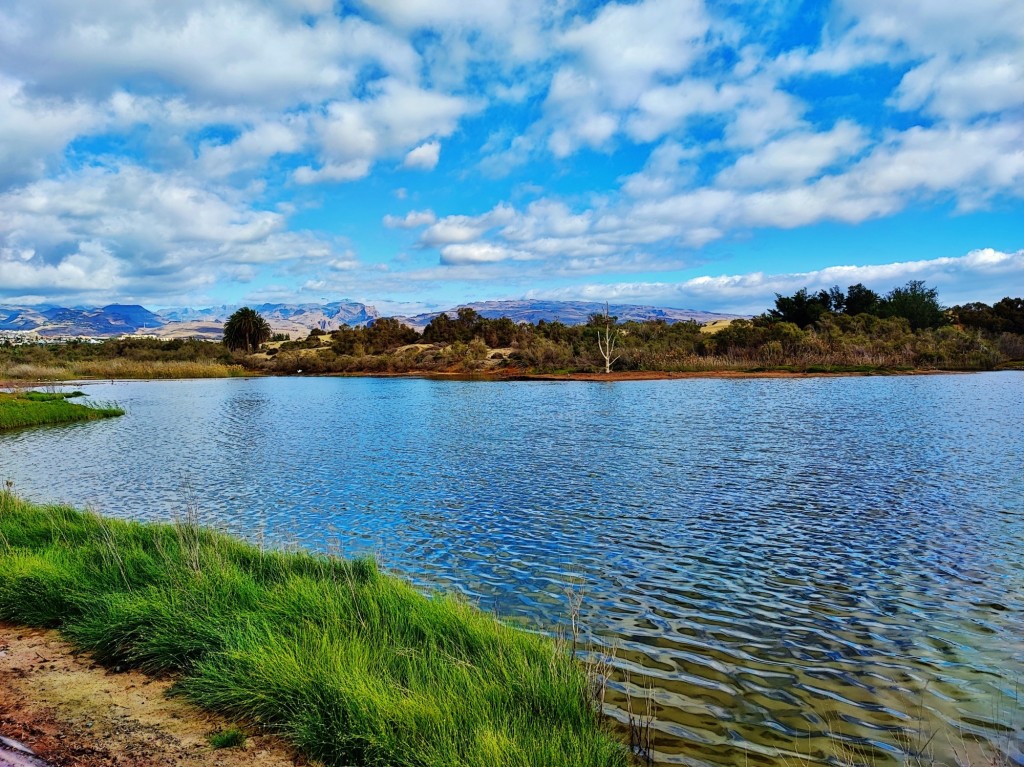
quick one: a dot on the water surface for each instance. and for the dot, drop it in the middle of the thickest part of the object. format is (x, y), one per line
(811, 568)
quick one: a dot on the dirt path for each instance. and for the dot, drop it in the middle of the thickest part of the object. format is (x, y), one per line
(74, 713)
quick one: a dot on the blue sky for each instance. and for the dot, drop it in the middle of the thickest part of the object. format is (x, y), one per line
(422, 153)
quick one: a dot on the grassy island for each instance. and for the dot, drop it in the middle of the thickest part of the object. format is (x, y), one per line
(34, 408)
(352, 666)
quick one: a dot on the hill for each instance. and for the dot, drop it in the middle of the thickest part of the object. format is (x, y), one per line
(570, 312)
(298, 319)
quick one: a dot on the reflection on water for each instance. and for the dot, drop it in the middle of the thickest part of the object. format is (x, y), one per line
(829, 568)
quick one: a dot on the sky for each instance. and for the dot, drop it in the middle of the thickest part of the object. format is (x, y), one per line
(423, 153)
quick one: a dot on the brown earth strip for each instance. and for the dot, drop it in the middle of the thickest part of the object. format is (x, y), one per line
(510, 374)
(73, 712)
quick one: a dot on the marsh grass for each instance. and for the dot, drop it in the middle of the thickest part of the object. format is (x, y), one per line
(351, 665)
(32, 408)
(122, 368)
(160, 369)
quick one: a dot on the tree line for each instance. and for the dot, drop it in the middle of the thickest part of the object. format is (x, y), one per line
(856, 328)
(852, 329)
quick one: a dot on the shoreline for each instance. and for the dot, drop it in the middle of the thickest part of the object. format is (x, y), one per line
(519, 375)
(637, 375)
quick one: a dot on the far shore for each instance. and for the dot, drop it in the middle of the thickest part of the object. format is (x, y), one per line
(516, 375)
(639, 375)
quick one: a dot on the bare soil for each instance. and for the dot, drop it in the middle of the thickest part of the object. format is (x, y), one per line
(73, 712)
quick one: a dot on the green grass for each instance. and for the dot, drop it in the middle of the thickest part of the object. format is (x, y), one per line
(42, 408)
(46, 396)
(351, 665)
(232, 737)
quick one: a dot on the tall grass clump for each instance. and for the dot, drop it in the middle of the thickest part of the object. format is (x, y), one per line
(44, 408)
(353, 666)
(156, 369)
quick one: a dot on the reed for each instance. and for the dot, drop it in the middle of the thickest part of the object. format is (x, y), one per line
(121, 368)
(162, 369)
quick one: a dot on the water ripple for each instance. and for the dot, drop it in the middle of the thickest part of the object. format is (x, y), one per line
(825, 570)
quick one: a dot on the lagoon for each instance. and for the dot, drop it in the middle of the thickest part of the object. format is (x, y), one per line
(828, 568)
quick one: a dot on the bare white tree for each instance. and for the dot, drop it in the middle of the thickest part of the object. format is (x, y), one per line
(606, 340)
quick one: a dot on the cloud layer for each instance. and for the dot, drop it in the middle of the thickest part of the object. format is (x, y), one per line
(201, 151)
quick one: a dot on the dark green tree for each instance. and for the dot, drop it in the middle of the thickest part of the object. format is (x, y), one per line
(245, 330)
(915, 302)
(385, 334)
(860, 300)
(440, 330)
(801, 308)
(1010, 312)
(1005, 316)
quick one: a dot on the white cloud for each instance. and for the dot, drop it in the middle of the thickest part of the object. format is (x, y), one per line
(663, 108)
(959, 279)
(960, 90)
(618, 58)
(252, 148)
(517, 30)
(89, 268)
(626, 46)
(233, 50)
(480, 253)
(128, 230)
(411, 220)
(461, 229)
(667, 167)
(352, 135)
(799, 180)
(34, 130)
(796, 157)
(353, 170)
(423, 157)
(963, 59)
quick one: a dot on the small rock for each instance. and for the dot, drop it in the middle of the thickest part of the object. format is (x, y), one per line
(15, 745)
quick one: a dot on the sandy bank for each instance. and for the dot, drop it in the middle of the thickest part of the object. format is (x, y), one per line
(74, 713)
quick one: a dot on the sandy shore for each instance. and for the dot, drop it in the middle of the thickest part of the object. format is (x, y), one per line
(71, 712)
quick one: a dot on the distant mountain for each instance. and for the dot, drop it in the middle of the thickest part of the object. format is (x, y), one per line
(133, 314)
(298, 319)
(21, 318)
(112, 320)
(572, 312)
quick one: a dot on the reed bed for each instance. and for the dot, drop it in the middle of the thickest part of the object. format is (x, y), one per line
(353, 666)
(26, 371)
(122, 368)
(43, 408)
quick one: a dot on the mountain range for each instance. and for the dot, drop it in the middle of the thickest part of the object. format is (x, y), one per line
(298, 319)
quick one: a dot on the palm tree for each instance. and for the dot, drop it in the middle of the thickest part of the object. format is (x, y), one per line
(245, 330)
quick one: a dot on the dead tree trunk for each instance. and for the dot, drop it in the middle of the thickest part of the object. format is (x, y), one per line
(606, 345)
